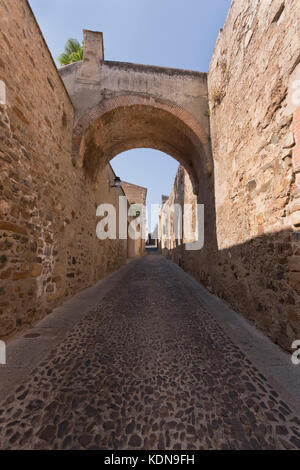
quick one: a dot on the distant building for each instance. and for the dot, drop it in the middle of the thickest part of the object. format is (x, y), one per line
(136, 196)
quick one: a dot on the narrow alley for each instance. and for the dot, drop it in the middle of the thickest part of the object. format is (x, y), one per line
(148, 368)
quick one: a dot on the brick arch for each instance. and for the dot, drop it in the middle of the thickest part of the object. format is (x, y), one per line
(133, 121)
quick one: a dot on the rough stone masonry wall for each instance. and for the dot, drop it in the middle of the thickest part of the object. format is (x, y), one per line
(197, 262)
(48, 247)
(257, 223)
(172, 232)
(255, 135)
(136, 196)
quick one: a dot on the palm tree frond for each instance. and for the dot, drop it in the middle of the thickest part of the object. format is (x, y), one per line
(73, 52)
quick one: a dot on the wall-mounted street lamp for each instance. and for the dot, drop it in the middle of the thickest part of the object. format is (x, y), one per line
(116, 183)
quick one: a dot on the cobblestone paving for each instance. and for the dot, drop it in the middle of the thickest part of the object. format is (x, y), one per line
(148, 369)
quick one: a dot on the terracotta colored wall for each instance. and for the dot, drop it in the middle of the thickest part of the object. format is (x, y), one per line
(48, 244)
(255, 265)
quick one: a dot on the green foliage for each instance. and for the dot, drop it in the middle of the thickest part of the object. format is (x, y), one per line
(73, 52)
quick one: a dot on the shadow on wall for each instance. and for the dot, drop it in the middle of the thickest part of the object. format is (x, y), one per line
(259, 278)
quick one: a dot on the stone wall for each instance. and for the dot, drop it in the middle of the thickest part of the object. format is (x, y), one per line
(173, 240)
(256, 262)
(49, 250)
(178, 228)
(252, 138)
(134, 193)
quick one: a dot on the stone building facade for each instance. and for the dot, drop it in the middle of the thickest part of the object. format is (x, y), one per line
(255, 124)
(136, 196)
(177, 220)
(256, 174)
(48, 245)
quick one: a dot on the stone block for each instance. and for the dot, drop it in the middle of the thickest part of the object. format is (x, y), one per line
(295, 206)
(20, 275)
(295, 218)
(294, 263)
(289, 141)
(9, 226)
(287, 153)
(36, 270)
(4, 207)
(296, 159)
(59, 269)
(2, 93)
(57, 295)
(5, 274)
(295, 281)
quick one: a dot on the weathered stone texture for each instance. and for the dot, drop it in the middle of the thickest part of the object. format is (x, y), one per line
(255, 265)
(252, 139)
(48, 245)
(136, 196)
(182, 225)
(173, 243)
(134, 193)
(120, 106)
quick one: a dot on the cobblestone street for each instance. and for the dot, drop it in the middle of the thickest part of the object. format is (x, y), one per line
(149, 368)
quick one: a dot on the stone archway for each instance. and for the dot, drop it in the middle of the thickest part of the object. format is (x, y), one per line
(131, 121)
(120, 106)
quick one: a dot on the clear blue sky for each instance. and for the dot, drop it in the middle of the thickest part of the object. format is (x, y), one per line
(169, 33)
